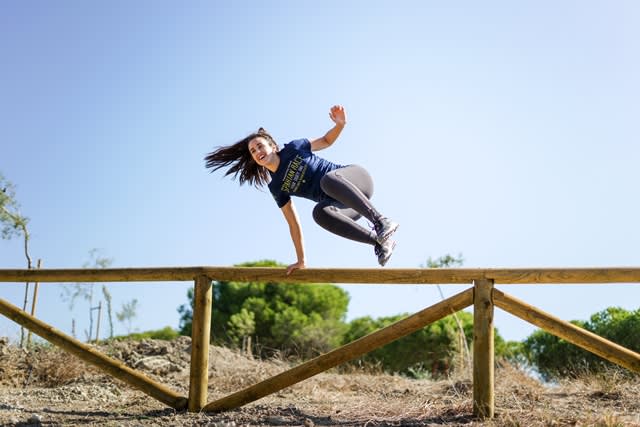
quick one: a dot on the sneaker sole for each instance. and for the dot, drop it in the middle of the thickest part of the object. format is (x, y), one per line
(384, 238)
(393, 247)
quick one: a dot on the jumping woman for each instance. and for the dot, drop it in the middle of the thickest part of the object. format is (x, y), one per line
(342, 193)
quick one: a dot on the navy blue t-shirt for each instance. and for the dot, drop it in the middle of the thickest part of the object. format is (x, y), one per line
(299, 173)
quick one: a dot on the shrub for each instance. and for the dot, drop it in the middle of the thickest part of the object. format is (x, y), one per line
(556, 358)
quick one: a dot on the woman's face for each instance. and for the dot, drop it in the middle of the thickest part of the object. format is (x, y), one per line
(262, 151)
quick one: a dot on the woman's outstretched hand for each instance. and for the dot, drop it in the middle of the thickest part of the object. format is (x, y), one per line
(298, 265)
(338, 115)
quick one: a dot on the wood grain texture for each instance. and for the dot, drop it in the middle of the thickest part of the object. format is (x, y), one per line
(483, 350)
(331, 275)
(200, 338)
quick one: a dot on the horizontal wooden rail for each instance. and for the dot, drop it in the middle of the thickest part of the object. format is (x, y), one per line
(94, 357)
(521, 276)
(345, 353)
(331, 275)
(155, 274)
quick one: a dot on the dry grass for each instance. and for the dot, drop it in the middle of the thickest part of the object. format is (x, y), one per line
(53, 367)
(41, 365)
(356, 398)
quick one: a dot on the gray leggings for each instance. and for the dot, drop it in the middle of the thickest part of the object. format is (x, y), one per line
(349, 189)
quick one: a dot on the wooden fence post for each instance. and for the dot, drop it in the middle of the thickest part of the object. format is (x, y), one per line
(200, 336)
(33, 304)
(97, 324)
(483, 351)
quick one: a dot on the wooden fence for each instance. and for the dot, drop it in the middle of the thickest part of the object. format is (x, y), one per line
(483, 296)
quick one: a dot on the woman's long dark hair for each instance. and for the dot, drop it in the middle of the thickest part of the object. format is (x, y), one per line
(239, 157)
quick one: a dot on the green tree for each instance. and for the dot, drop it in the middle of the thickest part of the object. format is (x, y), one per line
(431, 350)
(85, 291)
(109, 300)
(556, 358)
(288, 318)
(127, 313)
(242, 327)
(462, 343)
(14, 224)
(445, 261)
(435, 350)
(12, 221)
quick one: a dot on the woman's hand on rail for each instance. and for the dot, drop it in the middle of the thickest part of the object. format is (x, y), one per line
(296, 266)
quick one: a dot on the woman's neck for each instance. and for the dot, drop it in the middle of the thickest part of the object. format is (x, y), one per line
(274, 163)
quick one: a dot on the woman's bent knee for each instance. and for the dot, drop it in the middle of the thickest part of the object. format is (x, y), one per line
(320, 216)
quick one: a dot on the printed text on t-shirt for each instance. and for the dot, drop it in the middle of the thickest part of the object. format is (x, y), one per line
(294, 174)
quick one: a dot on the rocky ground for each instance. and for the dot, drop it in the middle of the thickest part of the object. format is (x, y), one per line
(48, 387)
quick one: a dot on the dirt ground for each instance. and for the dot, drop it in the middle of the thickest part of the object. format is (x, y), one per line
(48, 387)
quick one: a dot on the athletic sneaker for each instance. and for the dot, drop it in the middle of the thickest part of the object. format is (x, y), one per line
(384, 228)
(383, 251)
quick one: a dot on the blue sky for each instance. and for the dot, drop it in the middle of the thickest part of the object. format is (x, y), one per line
(505, 131)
